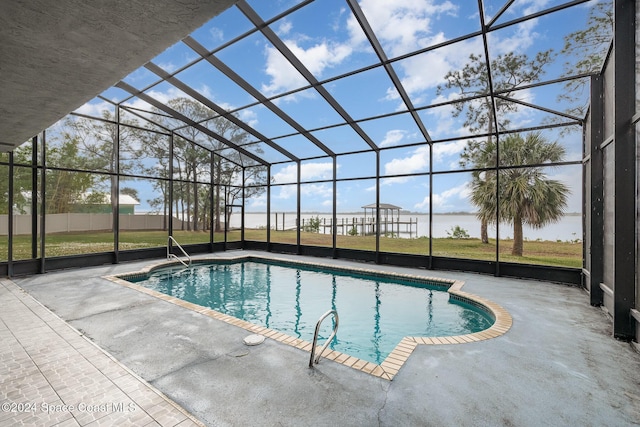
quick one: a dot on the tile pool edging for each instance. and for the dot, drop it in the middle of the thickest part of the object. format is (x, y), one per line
(393, 362)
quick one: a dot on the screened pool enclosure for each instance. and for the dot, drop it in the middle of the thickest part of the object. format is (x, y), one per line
(503, 134)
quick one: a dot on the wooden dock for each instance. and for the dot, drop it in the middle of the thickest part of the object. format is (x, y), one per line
(361, 226)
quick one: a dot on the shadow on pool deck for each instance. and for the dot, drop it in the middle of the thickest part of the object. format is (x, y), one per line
(557, 365)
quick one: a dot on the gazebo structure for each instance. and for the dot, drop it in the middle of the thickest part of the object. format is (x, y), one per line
(388, 218)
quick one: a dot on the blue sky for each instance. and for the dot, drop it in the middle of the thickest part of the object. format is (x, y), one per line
(325, 37)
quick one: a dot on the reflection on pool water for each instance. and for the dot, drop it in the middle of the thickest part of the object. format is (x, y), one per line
(375, 311)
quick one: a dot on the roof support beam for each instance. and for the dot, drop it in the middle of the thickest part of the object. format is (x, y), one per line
(596, 203)
(179, 116)
(304, 71)
(136, 112)
(377, 47)
(491, 27)
(215, 107)
(494, 111)
(626, 259)
(537, 107)
(500, 12)
(224, 69)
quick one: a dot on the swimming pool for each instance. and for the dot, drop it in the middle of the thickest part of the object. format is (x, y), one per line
(376, 310)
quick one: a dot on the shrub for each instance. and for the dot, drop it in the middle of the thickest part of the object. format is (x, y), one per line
(312, 225)
(457, 232)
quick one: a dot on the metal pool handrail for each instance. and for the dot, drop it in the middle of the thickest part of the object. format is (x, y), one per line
(172, 255)
(315, 337)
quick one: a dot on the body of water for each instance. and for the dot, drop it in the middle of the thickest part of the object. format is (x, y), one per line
(568, 229)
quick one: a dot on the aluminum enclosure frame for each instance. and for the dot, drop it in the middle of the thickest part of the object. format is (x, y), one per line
(250, 159)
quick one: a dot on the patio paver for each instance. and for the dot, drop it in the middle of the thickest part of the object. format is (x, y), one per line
(50, 374)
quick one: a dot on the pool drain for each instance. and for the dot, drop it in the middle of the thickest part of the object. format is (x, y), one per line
(254, 339)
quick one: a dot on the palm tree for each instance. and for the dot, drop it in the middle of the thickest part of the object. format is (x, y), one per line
(509, 72)
(526, 195)
(483, 193)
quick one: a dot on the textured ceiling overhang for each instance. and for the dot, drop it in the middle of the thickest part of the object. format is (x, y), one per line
(57, 55)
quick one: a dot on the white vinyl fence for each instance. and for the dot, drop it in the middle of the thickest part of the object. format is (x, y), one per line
(78, 222)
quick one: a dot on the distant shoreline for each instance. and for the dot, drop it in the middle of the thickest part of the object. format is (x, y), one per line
(361, 212)
(418, 224)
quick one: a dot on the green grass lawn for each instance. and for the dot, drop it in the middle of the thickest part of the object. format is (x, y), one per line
(563, 254)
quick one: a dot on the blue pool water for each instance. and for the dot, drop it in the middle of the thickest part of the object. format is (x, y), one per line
(375, 312)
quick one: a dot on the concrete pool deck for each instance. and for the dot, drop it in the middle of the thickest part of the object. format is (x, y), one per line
(557, 365)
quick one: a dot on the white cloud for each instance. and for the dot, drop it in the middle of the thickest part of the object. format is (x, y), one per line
(95, 108)
(321, 56)
(442, 149)
(441, 121)
(518, 9)
(395, 180)
(571, 177)
(163, 97)
(322, 191)
(520, 41)
(205, 90)
(169, 66)
(286, 192)
(216, 33)
(418, 161)
(423, 205)
(287, 174)
(446, 200)
(257, 202)
(426, 71)
(524, 34)
(283, 75)
(284, 27)
(406, 25)
(311, 192)
(311, 171)
(317, 58)
(308, 172)
(249, 117)
(400, 25)
(534, 6)
(393, 137)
